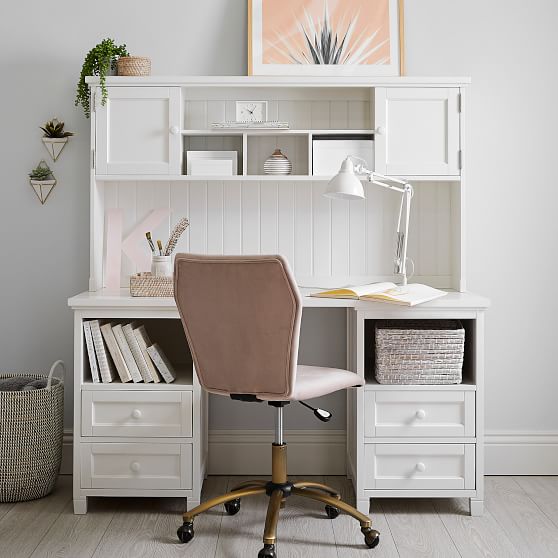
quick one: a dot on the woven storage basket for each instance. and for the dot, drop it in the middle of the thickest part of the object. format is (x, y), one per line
(145, 284)
(31, 429)
(133, 66)
(419, 351)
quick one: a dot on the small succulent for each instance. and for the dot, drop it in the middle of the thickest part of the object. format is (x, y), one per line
(41, 172)
(55, 129)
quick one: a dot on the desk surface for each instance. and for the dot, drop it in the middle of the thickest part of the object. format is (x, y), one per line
(113, 299)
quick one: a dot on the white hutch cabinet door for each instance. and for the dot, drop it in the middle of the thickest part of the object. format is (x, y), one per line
(417, 131)
(138, 131)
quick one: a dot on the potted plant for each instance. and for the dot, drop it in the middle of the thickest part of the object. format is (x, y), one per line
(42, 180)
(55, 137)
(100, 60)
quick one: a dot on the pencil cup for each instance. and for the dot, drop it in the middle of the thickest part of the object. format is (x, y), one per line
(161, 266)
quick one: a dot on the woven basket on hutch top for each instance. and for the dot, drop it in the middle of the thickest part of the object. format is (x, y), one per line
(419, 351)
(133, 66)
(145, 284)
(31, 430)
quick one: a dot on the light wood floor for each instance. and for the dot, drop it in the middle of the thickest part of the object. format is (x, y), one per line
(521, 520)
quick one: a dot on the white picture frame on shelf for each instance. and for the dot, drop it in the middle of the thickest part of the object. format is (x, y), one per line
(212, 163)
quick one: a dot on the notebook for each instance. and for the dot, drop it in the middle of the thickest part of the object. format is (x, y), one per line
(128, 330)
(162, 363)
(91, 353)
(143, 341)
(127, 353)
(115, 353)
(408, 295)
(106, 366)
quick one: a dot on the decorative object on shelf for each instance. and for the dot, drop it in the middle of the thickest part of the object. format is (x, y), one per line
(99, 61)
(212, 163)
(324, 38)
(263, 125)
(277, 163)
(32, 419)
(55, 137)
(161, 266)
(42, 181)
(175, 235)
(251, 111)
(329, 151)
(146, 284)
(133, 66)
(347, 186)
(419, 351)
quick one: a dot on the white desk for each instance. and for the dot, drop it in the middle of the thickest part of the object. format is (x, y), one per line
(125, 457)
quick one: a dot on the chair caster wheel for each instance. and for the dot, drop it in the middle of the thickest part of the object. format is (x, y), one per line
(186, 532)
(268, 551)
(232, 507)
(332, 511)
(371, 537)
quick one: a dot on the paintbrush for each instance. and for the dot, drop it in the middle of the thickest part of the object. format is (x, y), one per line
(160, 246)
(151, 245)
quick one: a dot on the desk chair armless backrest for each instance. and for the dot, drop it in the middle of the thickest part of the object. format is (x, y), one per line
(241, 316)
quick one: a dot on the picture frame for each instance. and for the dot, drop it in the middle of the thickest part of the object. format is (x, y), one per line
(212, 163)
(295, 37)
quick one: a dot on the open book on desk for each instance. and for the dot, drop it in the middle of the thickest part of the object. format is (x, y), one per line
(408, 295)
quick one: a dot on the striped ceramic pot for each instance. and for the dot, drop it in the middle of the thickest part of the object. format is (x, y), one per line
(277, 163)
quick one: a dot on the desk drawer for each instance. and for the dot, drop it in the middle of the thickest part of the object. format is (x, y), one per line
(141, 466)
(419, 414)
(136, 414)
(420, 466)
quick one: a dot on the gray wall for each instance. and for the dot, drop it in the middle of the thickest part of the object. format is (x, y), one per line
(507, 46)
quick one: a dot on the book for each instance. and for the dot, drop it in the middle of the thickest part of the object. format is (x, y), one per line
(128, 331)
(91, 353)
(144, 342)
(162, 363)
(407, 295)
(115, 353)
(127, 353)
(106, 367)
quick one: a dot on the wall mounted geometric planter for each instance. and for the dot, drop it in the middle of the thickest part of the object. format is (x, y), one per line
(43, 188)
(54, 146)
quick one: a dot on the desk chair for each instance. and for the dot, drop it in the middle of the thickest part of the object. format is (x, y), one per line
(241, 316)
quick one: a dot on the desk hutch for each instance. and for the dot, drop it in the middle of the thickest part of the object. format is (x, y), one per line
(407, 441)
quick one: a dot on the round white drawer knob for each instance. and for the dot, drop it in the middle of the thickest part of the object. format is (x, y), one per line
(420, 467)
(380, 130)
(420, 414)
(135, 466)
(136, 413)
(174, 130)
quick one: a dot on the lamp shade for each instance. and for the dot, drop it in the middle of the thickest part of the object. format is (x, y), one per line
(345, 185)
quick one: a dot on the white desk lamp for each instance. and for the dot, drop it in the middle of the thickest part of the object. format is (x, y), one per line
(346, 185)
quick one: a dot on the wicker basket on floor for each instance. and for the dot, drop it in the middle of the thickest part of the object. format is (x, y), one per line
(31, 430)
(133, 66)
(419, 351)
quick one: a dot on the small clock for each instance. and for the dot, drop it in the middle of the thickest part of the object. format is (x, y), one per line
(251, 111)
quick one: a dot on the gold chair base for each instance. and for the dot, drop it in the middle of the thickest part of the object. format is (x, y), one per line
(279, 489)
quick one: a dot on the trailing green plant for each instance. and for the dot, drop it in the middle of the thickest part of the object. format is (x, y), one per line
(55, 129)
(41, 172)
(98, 62)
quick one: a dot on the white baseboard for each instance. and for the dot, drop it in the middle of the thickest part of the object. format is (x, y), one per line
(322, 452)
(248, 452)
(521, 453)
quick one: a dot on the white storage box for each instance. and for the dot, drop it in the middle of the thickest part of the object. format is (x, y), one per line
(329, 151)
(212, 163)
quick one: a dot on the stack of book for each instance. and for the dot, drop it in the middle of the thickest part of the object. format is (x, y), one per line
(124, 350)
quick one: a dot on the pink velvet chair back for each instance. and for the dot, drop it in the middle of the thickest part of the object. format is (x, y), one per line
(241, 316)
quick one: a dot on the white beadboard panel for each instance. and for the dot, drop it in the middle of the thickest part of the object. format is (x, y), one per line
(215, 217)
(339, 110)
(327, 242)
(198, 217)
(232, 221)
(250, 208)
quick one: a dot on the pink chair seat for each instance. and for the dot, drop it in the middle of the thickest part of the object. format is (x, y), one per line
(315, 381)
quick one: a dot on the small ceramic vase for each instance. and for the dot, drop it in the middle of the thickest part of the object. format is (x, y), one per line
(277, 163)
(161, 266)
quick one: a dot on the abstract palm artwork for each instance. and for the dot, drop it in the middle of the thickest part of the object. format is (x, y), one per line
(324, 37)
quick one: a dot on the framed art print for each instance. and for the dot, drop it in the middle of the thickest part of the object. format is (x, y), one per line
(325, 37)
